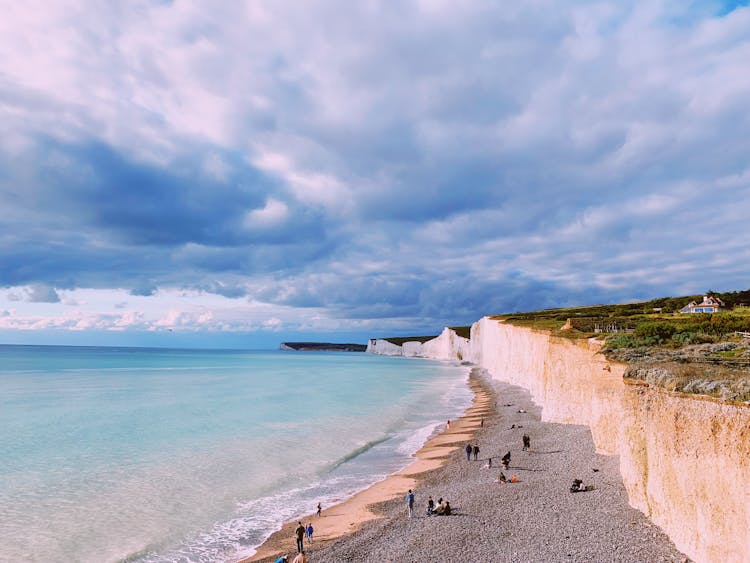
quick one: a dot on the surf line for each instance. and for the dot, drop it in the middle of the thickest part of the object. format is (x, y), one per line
(348, 516)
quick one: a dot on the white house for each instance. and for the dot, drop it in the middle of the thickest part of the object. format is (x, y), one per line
(710, 304)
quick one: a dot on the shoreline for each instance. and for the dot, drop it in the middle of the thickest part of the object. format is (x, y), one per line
(349, 516)
(535, 519)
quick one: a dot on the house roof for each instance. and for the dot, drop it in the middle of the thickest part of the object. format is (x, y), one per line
(711, 300)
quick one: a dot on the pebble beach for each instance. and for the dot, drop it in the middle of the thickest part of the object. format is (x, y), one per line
(534, 519)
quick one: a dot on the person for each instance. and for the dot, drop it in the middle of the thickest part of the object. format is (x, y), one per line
(468, 452)
(447, 510)
(488, 465)
(320, 508)
(501, 478)
(410, 502)
(506, 461)
(577, 486)
(481, 423)
(430, 506)
(299, 531)
(301, 558)
(476, 451)
(309, 532)
(526, 442)
(440, 510)
(448, 425)
(282, 559)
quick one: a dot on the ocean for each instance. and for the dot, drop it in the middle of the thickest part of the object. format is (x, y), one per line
(156, 455)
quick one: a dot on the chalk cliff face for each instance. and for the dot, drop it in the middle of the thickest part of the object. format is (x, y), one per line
(447, 346)
(685, 461)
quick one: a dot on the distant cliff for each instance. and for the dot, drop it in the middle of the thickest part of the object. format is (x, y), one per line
(322, 347)
(684, 459)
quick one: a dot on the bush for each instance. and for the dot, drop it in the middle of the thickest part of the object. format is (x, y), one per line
(683, 337)
(657, 332)
(623, 341)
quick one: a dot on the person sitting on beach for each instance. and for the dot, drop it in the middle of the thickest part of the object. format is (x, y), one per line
(282, 559)
(440, 510)
(501, 478)
(301, 558)
(430, 506)
(577, 486)
(488, 465)
(309, 532)
(447, 509)
(506, 461)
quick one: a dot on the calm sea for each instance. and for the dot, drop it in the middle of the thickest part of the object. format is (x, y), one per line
(111, 454)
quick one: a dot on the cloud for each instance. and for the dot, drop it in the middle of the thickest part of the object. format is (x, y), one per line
(39, 293)
(381, 164)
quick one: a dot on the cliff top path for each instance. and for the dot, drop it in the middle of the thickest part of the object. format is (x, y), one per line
(536, 519)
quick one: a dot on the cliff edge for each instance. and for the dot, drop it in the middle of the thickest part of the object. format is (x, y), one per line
(684, 459)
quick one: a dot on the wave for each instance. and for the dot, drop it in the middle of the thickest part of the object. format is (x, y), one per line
(415, 440)
(357, 452)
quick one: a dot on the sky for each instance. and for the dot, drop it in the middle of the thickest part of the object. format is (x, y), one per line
(236, 174)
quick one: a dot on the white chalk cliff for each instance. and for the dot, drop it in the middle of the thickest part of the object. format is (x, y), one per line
(684, 459)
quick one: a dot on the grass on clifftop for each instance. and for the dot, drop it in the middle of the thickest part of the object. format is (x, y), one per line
(702, 353)
(399, 341)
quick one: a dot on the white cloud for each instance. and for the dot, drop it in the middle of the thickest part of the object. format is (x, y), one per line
(273, 213)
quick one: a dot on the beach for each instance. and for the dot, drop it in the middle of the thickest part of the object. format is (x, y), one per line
(534, 519)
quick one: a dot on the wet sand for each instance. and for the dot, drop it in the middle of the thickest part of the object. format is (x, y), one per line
(349, 516)
(536, 519)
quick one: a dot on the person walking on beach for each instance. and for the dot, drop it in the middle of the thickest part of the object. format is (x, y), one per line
(468, 452)
(448, 425)
(476, 451)
(526, 442)
(319, 509)
(309, 532)
(299, 531)
(481, 423)
(410, 502)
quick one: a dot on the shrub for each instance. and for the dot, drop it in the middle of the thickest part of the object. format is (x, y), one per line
(683, 337)
(656, 332)
(623, 341)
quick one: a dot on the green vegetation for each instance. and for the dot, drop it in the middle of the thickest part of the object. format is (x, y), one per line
(649, 323)
(692, 353)
(398, 341)
(462, 331)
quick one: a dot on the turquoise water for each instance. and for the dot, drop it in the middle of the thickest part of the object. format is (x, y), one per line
(110, 454)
